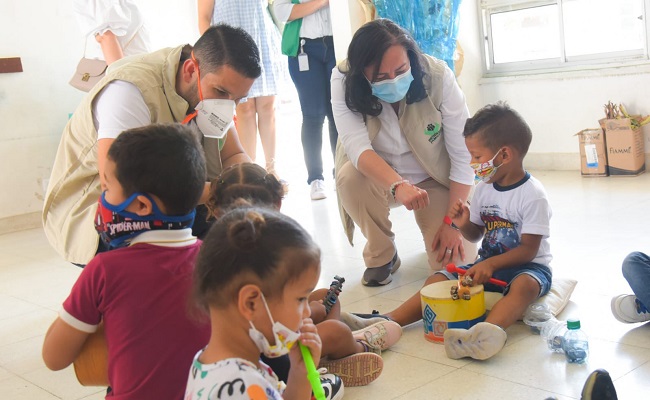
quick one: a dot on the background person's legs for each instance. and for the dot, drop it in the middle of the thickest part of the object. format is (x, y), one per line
(329, 62)
(247, 127)
(265, 107)
(312, 92)
(312, 144)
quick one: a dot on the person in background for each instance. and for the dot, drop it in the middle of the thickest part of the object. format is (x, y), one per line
(257, 111)
(154, 177)
(189, 84)
(116, 25)
(400, 115)
(631, 308)
(312, 82)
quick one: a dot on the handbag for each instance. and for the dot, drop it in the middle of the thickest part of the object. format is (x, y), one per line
(91, 70)
(279, 24)
(291, 36)
(88, 73)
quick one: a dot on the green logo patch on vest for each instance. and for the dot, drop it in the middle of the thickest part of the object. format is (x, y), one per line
(433, 130)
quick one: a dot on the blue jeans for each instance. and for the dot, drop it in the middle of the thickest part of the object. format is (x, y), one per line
(636, 270)
(313, 88)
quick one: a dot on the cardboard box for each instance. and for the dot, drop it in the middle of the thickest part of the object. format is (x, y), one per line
(625, 147)
(593, 153)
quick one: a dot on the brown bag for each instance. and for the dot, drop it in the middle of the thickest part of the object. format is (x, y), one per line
(89, 72)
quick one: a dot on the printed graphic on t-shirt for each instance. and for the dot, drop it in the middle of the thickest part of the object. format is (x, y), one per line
(232, 379)
(500, 233)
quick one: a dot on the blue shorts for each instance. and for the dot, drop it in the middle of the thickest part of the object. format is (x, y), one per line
(541, 273)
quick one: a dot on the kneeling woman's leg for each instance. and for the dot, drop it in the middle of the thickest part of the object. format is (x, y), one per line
(368, 206)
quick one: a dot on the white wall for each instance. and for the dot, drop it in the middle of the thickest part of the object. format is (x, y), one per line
(556, 106)
(34, 104)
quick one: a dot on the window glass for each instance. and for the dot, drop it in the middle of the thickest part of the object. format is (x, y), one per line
(527, 34)
(524, 35)
(602, 26)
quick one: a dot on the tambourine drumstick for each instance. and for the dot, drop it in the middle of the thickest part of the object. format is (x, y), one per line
(453, 268)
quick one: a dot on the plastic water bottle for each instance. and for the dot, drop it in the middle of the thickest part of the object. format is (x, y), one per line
(553, 332)
(575, 343)
(537, 315)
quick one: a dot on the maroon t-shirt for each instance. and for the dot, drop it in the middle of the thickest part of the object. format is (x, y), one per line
(141, 292)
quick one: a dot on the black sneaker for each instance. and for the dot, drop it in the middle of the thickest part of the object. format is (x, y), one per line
(599, 386)
(332, 385)
(380, 276)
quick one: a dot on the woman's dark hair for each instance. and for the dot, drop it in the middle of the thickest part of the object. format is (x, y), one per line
(367, 48)
(165, 160)
(227, 45)
(248, 182)
(251, 246)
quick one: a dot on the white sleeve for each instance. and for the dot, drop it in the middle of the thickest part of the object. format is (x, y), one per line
(536, 214)
(98, 16)
(352, 129)
(475, 205)
(282, 10)
(118, 107)
(454, 115)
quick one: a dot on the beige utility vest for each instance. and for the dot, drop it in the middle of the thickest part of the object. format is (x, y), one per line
(421, 125)
(74, 188)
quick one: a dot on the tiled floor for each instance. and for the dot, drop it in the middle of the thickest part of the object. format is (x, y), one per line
(596, 222)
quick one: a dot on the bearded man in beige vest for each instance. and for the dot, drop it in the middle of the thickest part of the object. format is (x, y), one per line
(199, 85)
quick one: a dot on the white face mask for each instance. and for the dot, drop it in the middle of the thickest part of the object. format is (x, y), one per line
(284, 337)
(214, 117)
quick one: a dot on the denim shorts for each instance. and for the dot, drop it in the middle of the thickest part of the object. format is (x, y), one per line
(541, 273)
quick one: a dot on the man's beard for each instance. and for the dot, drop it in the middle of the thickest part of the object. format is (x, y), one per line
(192, 96)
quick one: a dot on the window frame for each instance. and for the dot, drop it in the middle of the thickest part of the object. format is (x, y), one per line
(562, 63)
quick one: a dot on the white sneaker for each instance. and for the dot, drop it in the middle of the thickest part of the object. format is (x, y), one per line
(318, 189)
(379, 336)
(360, 321)
(628, 309)
(479, 342)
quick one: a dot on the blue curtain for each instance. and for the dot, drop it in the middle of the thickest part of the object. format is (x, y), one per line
(432, 23)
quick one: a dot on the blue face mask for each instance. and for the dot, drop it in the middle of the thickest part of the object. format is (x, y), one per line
(393, 90)
(116, 227)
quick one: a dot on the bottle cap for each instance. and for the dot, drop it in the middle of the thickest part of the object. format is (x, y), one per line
(573, 324)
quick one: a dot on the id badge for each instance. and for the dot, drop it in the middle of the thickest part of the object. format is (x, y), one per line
(303, 62)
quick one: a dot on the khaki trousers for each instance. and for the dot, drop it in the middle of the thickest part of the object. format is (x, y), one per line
(369, 207)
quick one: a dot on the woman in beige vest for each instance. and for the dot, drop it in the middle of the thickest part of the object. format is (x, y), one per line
(400, 116)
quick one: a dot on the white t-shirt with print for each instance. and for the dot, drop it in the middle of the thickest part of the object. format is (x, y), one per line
(232, 379)
(509, 212)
